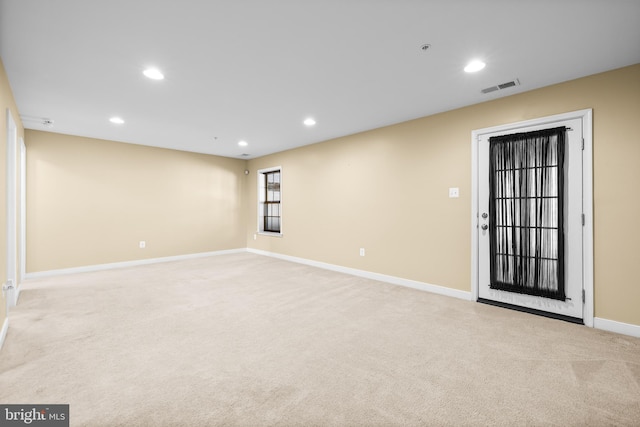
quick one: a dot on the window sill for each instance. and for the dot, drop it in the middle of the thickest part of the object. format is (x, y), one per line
(269, 233)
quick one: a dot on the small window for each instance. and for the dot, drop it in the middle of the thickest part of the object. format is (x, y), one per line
(269, 198)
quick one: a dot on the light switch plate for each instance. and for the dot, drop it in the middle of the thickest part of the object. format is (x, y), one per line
(454, 192)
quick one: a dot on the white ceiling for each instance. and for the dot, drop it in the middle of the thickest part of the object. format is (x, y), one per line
(255, 69)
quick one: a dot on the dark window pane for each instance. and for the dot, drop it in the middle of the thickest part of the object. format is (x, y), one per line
(271, 196)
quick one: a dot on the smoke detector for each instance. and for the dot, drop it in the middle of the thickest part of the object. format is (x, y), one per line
(34, 120)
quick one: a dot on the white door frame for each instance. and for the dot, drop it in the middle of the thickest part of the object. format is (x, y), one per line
(22, 240)
(12, 137)
(587, 195)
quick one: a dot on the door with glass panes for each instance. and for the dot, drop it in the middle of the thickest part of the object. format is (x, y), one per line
(530, 217)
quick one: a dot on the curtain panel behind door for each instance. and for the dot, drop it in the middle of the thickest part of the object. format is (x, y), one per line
(526, 197)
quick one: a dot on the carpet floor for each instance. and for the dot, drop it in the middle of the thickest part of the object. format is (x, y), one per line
(246, 340)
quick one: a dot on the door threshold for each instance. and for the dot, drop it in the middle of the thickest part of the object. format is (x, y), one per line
(569, 319)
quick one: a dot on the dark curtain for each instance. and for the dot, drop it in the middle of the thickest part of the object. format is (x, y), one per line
(526, 190)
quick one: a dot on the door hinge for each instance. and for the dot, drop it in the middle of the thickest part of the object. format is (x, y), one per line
(583, 297)
(583, 220)
(582, 144)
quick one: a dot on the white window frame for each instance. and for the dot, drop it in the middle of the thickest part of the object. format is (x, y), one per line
(261, 199)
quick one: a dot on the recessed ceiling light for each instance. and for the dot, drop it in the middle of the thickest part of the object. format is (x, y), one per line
(474, 66)
(116, 120)
(309, 122)
(243, 143)
(153, 73)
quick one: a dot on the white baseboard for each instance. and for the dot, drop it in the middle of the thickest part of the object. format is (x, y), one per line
(436, 289)
(111, 266)
(3, 332)
(617, 327)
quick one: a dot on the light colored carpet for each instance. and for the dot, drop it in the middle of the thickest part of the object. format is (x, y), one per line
(245, 340)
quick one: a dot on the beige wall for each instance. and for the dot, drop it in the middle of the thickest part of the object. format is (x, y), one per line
(6, 102)
(387, 190)
(91, 201)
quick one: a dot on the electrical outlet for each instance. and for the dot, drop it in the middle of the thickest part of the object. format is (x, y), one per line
(454, 192)
(142, 244)
(361, 251)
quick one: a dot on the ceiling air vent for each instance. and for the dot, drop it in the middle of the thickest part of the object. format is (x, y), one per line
(501, 86)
